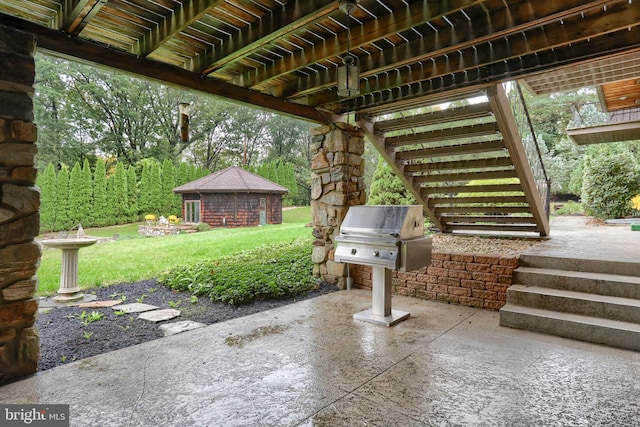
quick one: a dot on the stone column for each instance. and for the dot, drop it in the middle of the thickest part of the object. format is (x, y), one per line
(337, 182)
(19, 207)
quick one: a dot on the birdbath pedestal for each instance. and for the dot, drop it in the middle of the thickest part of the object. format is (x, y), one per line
(69, 290)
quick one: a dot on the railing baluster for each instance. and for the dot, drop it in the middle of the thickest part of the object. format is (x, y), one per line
(531, 146)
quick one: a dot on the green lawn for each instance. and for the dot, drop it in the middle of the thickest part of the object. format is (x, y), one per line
(128, 260)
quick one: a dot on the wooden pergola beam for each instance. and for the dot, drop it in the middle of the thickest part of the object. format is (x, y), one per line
(78, 49)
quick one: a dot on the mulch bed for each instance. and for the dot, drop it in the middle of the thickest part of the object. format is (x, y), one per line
(66, 337)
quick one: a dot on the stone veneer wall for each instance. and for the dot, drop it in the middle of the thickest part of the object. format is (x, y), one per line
(19, 207)
(471, 280)
(337, 182)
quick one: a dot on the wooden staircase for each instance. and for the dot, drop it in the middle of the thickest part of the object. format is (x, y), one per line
(467, 165)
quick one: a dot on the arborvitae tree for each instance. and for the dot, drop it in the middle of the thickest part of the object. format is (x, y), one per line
(75, 195)
(155, 191)
(191, 173)
(263, 170)
(121, 200)
(387, 188)
(47, 184)
(132, 194)
(168, 183)
(87, 194)
(289, 182)
(182, 174)
(111, 202)
(144, 199)
(273, 172)
(201, 172)
(63, 220)
(100, 194)
(292, 184)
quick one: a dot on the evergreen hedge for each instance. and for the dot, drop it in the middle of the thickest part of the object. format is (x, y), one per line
(109, 196)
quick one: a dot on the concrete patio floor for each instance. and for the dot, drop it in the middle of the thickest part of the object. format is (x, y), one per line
(311, 364)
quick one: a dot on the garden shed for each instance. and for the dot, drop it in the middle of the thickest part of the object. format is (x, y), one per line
(232, 197)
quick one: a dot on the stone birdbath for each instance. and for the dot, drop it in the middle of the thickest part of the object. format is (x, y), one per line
(70, 245)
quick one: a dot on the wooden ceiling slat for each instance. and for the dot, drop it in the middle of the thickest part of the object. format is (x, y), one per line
(506, 55)
(504, 22)
(183, 17)
(79, 15)
(462, 56)
(283, 22)
(376, 29)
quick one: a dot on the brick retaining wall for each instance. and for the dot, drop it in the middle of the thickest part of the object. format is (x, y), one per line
(471, 280)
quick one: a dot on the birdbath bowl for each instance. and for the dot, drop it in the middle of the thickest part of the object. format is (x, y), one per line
(69, 290)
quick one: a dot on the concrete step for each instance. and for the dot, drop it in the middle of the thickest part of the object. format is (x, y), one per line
(586, 304)
(594, 283)
(591, 329)
(581, 264)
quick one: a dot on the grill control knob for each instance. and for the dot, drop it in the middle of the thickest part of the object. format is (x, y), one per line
(353, 251)
(376, 253)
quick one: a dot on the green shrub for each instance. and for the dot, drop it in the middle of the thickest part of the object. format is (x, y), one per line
(203, 226)
(272, 271)
(609, 182)
(387, 188)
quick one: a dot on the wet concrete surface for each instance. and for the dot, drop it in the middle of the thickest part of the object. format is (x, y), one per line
(571, 237)
(311, 364)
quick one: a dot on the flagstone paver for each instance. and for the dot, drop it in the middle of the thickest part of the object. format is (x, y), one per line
(156, 316)
(135, 307)
(180, 326)
(100, 304)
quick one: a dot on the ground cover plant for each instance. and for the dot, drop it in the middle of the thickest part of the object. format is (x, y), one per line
(272, 271)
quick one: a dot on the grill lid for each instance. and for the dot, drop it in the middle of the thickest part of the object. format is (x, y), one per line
(399, 222)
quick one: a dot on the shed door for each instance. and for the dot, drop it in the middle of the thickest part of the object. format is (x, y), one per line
(263, 211)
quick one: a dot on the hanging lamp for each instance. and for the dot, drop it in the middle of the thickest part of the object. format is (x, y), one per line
(349, 71)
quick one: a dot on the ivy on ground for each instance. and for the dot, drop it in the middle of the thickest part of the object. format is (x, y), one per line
(273, 271)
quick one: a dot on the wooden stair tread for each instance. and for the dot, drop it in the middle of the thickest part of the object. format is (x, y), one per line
(457, 189)
(466, 112)
(451, 150)
(493, 227)
(439, 211)
(449, 219)
(491, 162)
(439, 135)
(488, 200)
(464, 176)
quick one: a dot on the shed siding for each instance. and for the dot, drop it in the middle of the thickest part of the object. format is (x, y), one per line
(237, 209)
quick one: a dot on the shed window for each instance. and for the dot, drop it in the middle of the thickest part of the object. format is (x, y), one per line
(192, 211)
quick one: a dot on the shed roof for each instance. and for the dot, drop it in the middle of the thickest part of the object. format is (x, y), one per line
(230, 180)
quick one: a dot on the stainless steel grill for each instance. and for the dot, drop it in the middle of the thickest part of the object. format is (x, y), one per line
(386, 238)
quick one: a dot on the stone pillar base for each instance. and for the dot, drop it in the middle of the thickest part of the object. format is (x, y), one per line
(337, 182)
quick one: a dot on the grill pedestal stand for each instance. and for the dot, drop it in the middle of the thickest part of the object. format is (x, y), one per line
(381, 312)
